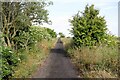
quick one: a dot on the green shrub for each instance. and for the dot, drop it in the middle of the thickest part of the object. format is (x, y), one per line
(9, 60)
(39, 33)
(88, 28)
(51, 32)
(34, 35)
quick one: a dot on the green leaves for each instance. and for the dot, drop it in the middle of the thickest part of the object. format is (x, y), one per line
(39, 33)
(17, 17)
(88, 28)
(51, 32)
(8, 61)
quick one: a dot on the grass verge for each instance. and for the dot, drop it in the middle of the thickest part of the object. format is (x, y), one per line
(98, 62)
(33, 58)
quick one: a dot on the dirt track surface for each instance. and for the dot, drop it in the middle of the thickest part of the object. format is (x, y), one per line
(57, 65)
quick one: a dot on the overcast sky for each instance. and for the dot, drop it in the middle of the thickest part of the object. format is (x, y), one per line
(63, 10)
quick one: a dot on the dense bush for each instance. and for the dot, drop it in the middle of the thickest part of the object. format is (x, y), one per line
(38, 33)
(89, 28)
(35, 34)
(51, 32)
(23, 40)
(8, 61)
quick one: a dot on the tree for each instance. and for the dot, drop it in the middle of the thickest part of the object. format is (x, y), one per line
(89, 28)
(17, 17)
(61, 35)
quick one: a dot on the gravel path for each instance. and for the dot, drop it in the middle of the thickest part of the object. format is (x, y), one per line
(57, 65)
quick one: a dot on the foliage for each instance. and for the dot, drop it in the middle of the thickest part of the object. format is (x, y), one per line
(33, 58)
(97, 62)
(17, 17)
(110, 40)
(61, 35)
(9, 60)
(38, 33)
(89, 28)
(51, 32)
(35, 35)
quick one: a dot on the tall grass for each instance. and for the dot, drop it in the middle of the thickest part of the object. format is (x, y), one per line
(97, 62)
(33, 58)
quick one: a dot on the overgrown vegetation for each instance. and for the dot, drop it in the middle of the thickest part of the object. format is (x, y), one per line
(93, 50)
(31, 48)
(23, 46)
(19, 40)
(96, 62)
(33, 58)
(51, 32)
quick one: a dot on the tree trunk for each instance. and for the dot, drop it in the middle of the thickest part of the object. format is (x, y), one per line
(8, 42)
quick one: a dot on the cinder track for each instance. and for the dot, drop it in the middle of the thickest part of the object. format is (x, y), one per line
(57, 65)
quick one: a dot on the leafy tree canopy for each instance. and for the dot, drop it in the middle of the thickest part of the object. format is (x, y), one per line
(19, 16)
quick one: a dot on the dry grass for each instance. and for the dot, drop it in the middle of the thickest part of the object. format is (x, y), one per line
(98, 62)
(93, 62)
(33, 59)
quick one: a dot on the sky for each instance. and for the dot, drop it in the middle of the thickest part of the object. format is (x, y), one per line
(63, 10)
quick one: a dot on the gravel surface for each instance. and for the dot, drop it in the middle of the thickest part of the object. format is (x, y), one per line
(57, 65)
